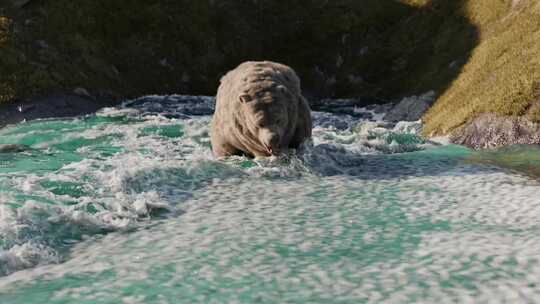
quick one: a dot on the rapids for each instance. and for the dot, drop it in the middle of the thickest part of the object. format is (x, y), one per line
(129, 206)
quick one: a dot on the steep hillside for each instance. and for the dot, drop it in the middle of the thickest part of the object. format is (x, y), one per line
(502, 75)
(343, 48)
(478, 55)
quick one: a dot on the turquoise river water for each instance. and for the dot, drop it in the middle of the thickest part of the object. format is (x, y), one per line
(129, 206)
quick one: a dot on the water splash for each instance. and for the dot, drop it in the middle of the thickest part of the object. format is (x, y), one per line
(368, 211)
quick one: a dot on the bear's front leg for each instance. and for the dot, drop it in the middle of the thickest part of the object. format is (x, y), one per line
(222, 149)
(304, 124)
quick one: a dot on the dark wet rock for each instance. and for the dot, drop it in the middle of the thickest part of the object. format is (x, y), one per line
(81, 92)
(13, 148)
(60, 105)
(346, 106)
(328, 120)
(351, 112)
(19, 3)
(492, 131)
(177, 106)
(411, 108)
(42, 44)
(343, 103)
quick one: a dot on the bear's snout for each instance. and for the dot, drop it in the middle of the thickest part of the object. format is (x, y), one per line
(271, 141)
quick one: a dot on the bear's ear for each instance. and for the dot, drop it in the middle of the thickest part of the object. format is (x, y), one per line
(245, 98)
(282, 89)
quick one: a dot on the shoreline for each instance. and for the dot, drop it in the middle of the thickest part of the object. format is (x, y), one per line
(52, 106)
(478, 135)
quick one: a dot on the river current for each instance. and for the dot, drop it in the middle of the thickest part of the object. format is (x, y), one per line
(129, 206)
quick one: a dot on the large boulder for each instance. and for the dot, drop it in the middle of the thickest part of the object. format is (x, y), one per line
(411, 108)
(492, 131)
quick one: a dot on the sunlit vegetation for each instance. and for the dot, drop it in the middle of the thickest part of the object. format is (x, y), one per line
(503, 73)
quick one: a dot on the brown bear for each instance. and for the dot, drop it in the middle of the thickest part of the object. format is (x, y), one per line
(260, 111)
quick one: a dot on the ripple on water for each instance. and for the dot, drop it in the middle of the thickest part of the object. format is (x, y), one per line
(353, 219)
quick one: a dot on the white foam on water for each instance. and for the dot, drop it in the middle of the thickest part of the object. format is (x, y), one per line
(106, 189)
(351, 218)
(377, 117)
(249, 222)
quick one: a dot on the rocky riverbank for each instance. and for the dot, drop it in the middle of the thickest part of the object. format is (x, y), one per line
(489, 131)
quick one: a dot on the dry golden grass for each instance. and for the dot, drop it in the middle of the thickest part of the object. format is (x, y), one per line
(503, 73)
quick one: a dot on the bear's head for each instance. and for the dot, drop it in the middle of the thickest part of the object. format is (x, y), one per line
(270, 113)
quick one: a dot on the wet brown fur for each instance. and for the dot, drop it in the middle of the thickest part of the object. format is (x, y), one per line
(260, 111)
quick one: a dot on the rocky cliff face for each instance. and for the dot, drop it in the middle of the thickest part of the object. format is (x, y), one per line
(344, 48)
(489, 131)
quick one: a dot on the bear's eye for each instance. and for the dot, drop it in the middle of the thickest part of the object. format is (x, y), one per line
(260, 94)
(245, 98)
